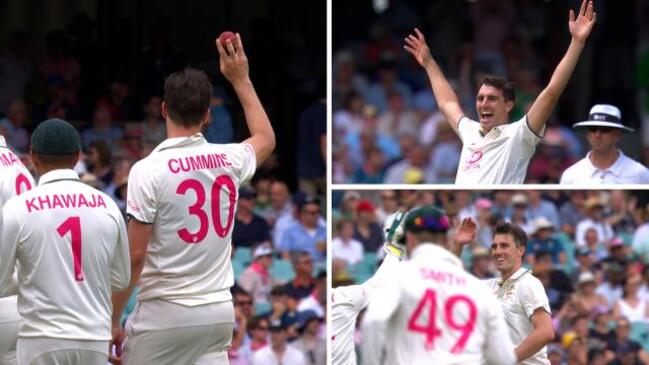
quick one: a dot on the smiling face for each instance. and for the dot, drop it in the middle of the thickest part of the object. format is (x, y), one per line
(507, 256)
(492, 107)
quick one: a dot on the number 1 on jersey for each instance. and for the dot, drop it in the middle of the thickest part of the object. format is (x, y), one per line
(73, 225)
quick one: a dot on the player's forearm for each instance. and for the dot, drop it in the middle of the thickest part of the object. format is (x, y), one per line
(256, 118)
(120, 298)
(444, 93)
(534, 342)
(387, 266)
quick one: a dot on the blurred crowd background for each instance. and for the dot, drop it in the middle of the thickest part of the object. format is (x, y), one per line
(101, 66)
(590, 249)
(386, 124)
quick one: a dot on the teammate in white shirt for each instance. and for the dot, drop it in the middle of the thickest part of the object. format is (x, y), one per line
(71, 245)
(181, 202)
(521, 295)
(348, 301)
(605, 163)
(430, 310)
(14, 180)
(493, 151)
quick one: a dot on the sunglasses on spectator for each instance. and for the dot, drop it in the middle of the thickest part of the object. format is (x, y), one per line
(594, 129)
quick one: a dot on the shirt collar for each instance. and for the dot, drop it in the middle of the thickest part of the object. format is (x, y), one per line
(435, 252)
(615, 169)
(55, 175)
(196, 139)
(520, 272)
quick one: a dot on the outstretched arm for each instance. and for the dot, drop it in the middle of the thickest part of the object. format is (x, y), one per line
(234, 66)
(446, 99)
(580, 30)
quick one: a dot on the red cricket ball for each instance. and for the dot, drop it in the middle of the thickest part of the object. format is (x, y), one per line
(223, 38)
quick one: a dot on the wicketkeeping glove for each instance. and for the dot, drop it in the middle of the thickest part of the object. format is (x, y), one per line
(394, 234)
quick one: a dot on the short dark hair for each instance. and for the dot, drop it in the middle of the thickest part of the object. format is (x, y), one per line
(103, 152)
(59, 161)
(517, 233)
(501, 84)
(187, 96)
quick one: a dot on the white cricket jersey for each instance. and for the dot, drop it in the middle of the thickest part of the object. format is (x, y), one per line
(467, 325)
(500, 157)
(188, 189)
(623, 171)
(15, 179)
(346, 303)
(70, 241)
(520, 296)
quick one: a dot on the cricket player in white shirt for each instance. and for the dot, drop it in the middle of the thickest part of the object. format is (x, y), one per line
(71, 246)
(605, 163)
(348, 301)
(181, 202)
(14, 180)
(521, 295)
(430, 310)
(493, 151)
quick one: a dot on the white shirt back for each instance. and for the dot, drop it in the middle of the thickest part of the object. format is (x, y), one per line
(520, 296)
(500, 157)
(623, 171)
(15, 179)
(467, 326)
(70, 241)
(188, 189)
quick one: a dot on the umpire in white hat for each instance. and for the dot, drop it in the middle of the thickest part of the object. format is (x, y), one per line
(605, 163)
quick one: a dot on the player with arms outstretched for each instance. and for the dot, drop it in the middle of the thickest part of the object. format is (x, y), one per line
(430, 310)
(71, 246)
(181, 203)
(14, 180)
(493, 151)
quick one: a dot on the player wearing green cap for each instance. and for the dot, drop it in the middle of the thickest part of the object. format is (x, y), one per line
(71, 245)
(430, 310)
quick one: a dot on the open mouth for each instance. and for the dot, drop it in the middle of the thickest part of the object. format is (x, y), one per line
(486, 115)
(500, 260)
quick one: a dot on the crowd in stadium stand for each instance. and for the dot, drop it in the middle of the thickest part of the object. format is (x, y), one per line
(386, 124)
(279, 239)
(590, 249)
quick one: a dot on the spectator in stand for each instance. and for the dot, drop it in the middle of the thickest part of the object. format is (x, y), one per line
(480, 262)
(585, 301)
(411, 170)
(518, 215)
(58, 68)
(640, 241)
(620, 212)
(303, 284)
(344, 247)
(601, 332)
(258, 332)
(389, 205)
(538, 207)
(312, 146)
(631, 306)
(621, 349)
(366, 230)
(585, 262)
(243, 302)
(286, 221)
(278, 351)
(12, 128)
(398, 120)
(611, 288)
(256, 279)
(595, 219)
(249, 228)
(543, 241)
(278, 309)
(445, 155)
(307, 234)
(99, 162)
(153, 124)
(220, 129)
(280, 204)
(387, 81)
(15, 69)
(102, 129)
(118, 102)
(317, 301)
(572, 212)
(312, 346)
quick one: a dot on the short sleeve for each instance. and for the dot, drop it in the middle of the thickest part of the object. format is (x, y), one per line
(644, 175)
(244, 161)
(142, 201)
(10, 229)
(532, 295)
(524, 133)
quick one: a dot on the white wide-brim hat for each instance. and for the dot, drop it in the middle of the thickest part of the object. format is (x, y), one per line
(604, 115)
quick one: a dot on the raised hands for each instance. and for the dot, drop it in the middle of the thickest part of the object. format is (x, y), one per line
(418, 48)
(580, 28)
(233, 61)
(465, 232)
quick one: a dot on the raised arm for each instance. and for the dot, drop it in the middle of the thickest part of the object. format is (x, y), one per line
(234, 66)
(580, 30)
(465, 233)
(446, 99)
